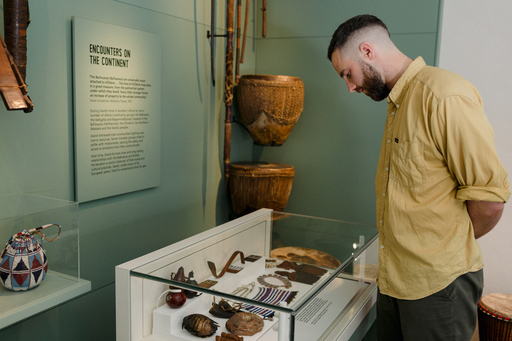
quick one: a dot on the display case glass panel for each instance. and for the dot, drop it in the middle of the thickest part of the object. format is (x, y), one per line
(62, 281)
(300, 274)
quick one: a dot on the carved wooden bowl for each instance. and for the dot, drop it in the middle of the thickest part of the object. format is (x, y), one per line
(270, 106)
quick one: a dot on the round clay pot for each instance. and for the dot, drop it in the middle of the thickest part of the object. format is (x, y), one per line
(270, 106)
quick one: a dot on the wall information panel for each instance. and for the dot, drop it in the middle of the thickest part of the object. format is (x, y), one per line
(116, 109)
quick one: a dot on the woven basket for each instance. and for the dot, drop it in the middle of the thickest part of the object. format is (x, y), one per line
(495, 317)
(259, 185)
(270, 106)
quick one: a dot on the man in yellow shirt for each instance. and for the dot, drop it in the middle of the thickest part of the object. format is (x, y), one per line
(439, 185)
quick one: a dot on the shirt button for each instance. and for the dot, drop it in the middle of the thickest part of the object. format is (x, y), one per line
(387, 168)
(389, 140)
(380, 221)
(382, 246)
(383, 194)
(393, 113)
(398, 106)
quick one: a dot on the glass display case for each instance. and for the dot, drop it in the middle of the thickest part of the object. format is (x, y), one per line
(305, 278)
(62, 281)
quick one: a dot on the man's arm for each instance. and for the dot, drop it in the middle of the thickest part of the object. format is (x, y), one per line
(484, 215)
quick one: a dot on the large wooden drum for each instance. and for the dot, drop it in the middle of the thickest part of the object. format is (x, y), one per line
(255, 185)
(270, 106)
(495, 317)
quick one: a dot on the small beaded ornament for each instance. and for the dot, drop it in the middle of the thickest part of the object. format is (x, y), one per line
(286, 283)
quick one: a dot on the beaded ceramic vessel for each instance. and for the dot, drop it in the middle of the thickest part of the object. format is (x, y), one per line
(23, 263)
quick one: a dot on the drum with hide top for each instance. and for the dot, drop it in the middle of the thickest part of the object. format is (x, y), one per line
(495, 317)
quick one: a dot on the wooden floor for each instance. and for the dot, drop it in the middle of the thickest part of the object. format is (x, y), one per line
(372, 334)
(475, 335)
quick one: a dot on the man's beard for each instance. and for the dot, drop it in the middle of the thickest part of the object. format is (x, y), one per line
(373, 85)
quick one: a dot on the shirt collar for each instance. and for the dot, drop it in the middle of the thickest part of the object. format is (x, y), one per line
(402, 85)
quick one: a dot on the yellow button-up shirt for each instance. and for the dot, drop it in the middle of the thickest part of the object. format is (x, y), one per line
(437, 152)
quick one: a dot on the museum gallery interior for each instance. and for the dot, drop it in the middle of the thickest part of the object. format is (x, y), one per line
(178, 169)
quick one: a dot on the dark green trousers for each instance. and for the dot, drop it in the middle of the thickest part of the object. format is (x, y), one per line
(450, 314)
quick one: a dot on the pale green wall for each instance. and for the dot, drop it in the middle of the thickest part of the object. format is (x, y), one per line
(333, 146)
(36, 151)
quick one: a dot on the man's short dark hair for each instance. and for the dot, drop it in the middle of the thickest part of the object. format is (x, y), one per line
(343, 32)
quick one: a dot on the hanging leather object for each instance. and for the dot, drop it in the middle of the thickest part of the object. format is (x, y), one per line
(12, 87)
(16, 21)
(13, 56)
(223, 309)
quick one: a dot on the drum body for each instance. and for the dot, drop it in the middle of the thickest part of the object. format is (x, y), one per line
(270, 106)
(255, 185)
(495, 317)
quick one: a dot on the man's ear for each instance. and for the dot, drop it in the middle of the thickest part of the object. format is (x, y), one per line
(366, 52)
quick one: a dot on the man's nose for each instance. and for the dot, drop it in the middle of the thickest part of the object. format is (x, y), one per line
(351, 86)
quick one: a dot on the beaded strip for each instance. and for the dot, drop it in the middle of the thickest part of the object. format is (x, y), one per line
(286, 283)
(234, 269)
(270, 296)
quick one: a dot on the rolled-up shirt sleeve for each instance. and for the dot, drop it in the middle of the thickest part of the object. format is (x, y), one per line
(466, 139)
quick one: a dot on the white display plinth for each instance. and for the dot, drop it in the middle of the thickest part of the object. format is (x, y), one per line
(54, 290)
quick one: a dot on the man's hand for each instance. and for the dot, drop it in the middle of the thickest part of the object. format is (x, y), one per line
(484, 215)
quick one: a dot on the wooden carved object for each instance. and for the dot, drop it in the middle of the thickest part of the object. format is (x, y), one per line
(13, 57)
(199, 325)
(228, 84)
(228, 337)
(12, 87)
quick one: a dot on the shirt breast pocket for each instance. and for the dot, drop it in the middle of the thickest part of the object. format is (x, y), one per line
(407, 165)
